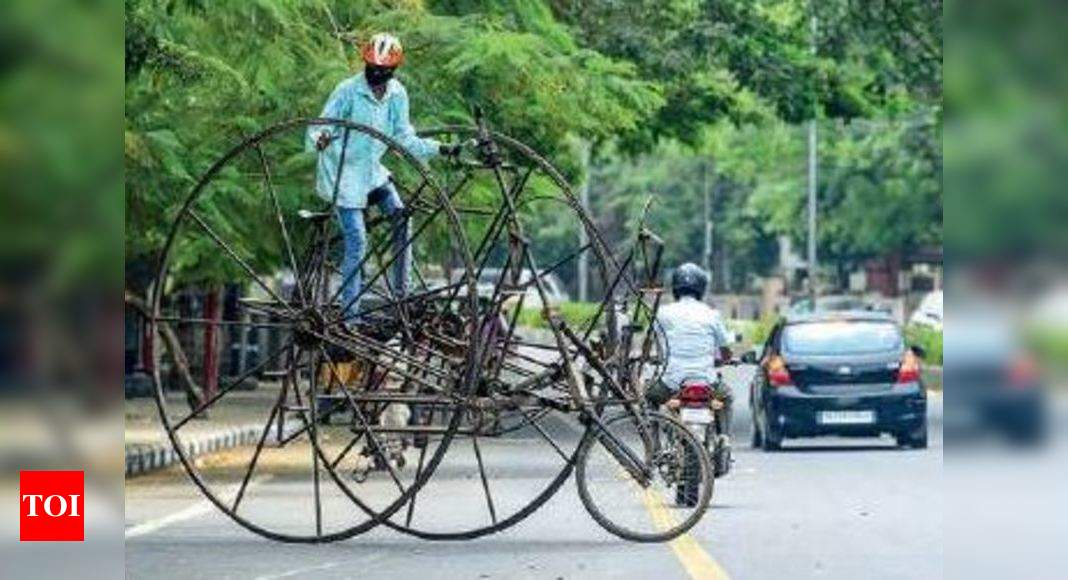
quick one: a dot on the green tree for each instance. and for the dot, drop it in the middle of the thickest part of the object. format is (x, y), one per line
(198, 80)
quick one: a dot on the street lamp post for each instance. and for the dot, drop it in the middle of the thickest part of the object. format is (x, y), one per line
(812, 209)
(708, 220)
(812, 182)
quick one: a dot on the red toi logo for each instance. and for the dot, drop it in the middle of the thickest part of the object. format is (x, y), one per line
(51, 506)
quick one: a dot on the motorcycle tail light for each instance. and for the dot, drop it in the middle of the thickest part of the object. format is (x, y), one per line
(909, 371)
(778, 375)
(1023, 372)
(695, 394)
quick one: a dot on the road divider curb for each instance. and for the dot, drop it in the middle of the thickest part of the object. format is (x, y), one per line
(141, 459)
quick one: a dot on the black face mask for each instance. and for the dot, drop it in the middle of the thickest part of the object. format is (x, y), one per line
(378, 75)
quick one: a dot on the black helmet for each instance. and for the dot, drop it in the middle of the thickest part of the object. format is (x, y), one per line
(689, 280)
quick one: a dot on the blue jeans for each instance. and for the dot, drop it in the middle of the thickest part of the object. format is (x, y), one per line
(355, 236)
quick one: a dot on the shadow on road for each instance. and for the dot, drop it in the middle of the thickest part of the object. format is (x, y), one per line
(834, 448)
(505, 543)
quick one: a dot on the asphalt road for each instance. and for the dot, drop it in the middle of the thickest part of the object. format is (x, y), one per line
(822, 508)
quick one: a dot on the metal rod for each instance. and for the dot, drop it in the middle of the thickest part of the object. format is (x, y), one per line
(233, 384)
(256, 453)
(233, 255)
(269, 182)
(813, 163)
(314, 436)
(375, 443)
(418, 472)
(541, 431)
(485, 481)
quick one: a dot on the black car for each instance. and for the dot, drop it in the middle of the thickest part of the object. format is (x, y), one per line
(838, 373)
(995, 385)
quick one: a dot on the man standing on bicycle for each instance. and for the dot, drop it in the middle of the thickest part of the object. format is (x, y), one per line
(375, 99)
(694, 334)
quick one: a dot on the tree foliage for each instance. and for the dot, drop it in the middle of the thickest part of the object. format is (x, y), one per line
(670, 92)
(199, 78)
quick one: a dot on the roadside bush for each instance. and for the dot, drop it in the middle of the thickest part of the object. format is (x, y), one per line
(928, 339)
(1050, 346)
(754, 332)
(762, 328)
(576, 314)
(744, 327)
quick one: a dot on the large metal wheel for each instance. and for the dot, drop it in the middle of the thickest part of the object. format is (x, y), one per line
(315, 368)
(368, 397)
(523, 400)
(507, 196)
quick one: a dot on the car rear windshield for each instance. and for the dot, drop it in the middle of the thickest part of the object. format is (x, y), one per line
(841, 337)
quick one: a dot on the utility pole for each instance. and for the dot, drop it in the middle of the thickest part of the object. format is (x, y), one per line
(708, 219)
(584, 238)
(812, 181)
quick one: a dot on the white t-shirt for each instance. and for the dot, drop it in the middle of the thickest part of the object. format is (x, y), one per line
(692, 332)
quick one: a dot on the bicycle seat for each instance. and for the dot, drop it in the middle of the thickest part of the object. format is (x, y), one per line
(315, 216)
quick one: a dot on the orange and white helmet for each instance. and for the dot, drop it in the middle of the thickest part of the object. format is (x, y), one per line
(383, 50)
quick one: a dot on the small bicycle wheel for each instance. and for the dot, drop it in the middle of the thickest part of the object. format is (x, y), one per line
(644, 478)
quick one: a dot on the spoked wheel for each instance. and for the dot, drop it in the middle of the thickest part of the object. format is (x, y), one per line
(327, 393)
(644, 479)
(522, 400)
(523, 224)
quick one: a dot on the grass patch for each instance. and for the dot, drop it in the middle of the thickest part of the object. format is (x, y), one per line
(754, 332)
(928, 339)
(932, 379)
(576, 314)
(1050, 346)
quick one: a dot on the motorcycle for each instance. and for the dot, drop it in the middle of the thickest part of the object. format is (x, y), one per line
(696, 406)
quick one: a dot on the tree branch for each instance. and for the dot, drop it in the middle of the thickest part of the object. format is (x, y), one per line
(194, 393)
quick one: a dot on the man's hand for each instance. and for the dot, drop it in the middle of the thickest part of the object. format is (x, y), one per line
(454, 149)
(323, 141)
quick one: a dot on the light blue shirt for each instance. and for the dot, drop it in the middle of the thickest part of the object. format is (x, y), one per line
(693, 333)
(353, 100)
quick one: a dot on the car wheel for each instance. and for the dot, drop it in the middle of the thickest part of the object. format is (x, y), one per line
(757, 440)
(1026, 433)
(772, 438)
(916, 439)
(920, 441)
(721, 460)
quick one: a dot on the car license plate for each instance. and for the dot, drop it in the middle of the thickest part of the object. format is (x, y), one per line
(696, 416)
(846, 417)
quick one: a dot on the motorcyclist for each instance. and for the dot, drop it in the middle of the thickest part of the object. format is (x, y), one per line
(694, 335)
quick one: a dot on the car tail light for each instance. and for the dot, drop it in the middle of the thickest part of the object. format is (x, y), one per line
(1023, 372)
(909, 371)
(695, 395)
(778, 375)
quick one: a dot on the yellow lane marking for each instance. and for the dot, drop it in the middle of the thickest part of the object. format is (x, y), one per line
(697, 562)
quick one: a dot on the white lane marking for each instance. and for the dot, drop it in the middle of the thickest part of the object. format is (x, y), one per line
(196, 510)
(297, 571)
